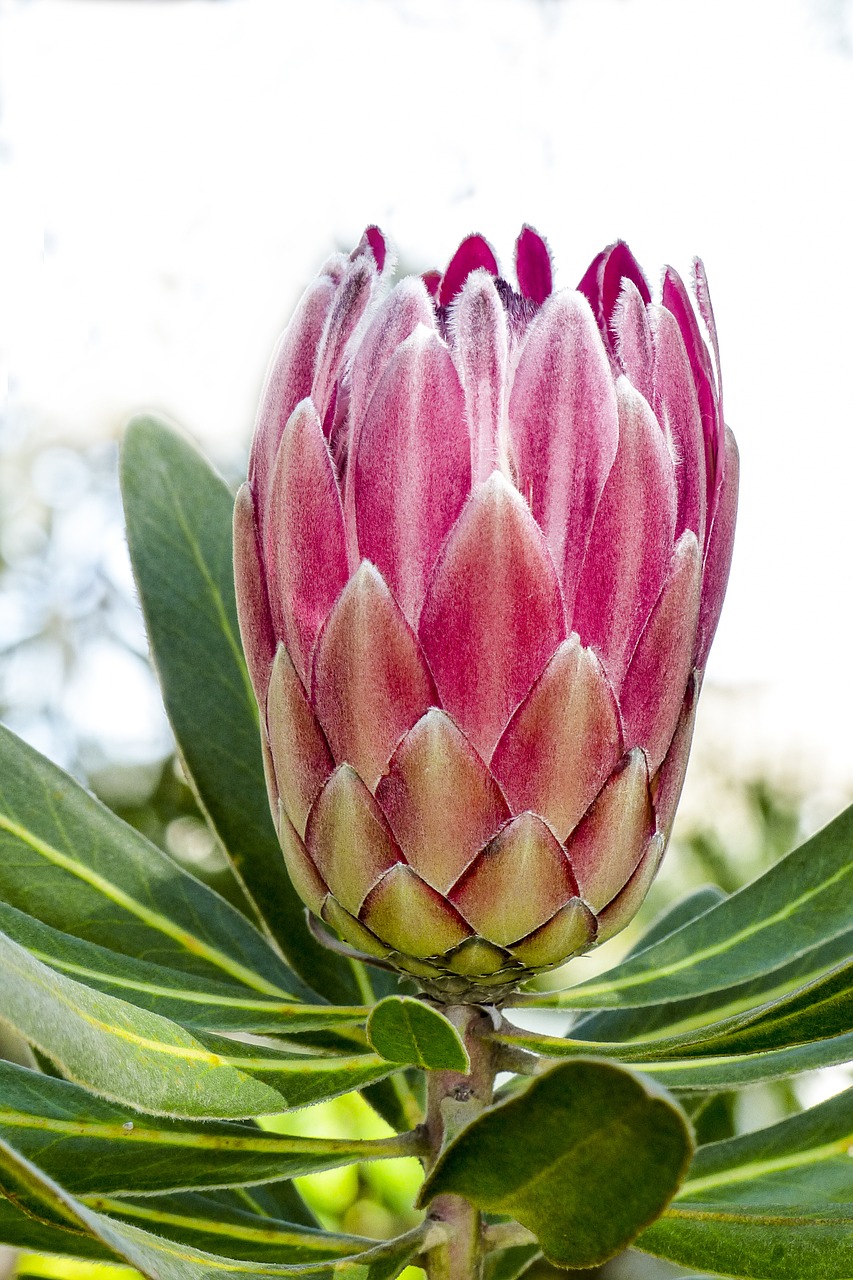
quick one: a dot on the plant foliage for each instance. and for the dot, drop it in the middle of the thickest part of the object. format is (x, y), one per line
(166, 1023)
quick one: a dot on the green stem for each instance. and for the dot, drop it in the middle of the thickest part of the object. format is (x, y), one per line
(454, 1099)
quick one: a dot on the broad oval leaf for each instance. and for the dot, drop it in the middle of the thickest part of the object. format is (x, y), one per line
(411, 1032)
(179, 530)
(91, 1145)
(148, 1061)
(774, 1204)
(67, 860)
(585, 1157)
(801, 903)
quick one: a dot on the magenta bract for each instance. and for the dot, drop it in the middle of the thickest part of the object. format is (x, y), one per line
(480, 559)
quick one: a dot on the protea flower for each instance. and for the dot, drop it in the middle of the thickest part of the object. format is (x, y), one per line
(480, 559)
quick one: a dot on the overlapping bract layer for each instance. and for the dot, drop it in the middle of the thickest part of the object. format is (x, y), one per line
(480, 559)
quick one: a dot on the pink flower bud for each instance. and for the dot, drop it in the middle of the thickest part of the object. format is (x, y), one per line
(480, 560)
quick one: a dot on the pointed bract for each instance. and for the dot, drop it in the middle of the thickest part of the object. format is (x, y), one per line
(631, 541)
(473, 253)
(718, 557)
(627, 903)
(304, 548)
(301, 868)
(351, 300)
(300, 754)
(394, 320)
(602, 284)
(370, 682)
(289, 380)
(564, 430)
(441, 801)
(533, 265)
(677, 407)
(253, 606)
(669, 779)
(516, 883)
(677, 301)
(352, 930)
(406, 913)
(562, 742)
(621, 821)
(654, 684)
(373, 241)
(493, 614)
(570, 930)
(633, 336)
(412, 471)
(479, 326)
(348, 838)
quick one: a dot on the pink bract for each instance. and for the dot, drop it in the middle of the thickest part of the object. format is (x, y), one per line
(480, 559)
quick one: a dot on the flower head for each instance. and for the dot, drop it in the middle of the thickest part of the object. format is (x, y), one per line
(480, 559)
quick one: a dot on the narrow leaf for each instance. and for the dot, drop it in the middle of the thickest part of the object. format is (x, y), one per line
(179, 514)
(133, 1056)
(409, 1031)
(186, 998)
(585, 1158)
(676, 1016)
(279, 1200)
(206, 1223)
(20, 1230)
(819, 1011)
(159, 1258)
(721, 1071)
(67, 860)
(91, 1145)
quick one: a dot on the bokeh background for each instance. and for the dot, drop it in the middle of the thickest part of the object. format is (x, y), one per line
(172, 172)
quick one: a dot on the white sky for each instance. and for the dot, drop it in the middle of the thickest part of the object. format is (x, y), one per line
(171, 173)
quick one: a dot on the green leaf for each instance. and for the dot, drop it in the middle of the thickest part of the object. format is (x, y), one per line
(66, 859)
(677, 1016)
(801, 903)
(159, 1258)
(399, 1100)
(186, 998)
(21, 1230)
(585, 1158)
(133, 1056)
(821, 1010)
(409, 1031)
(207, 1223)
(733, 1071)
(91, 1145)
(179, 518)
(774, 1204)
(509, 1264)
(279, 1200)
(688, 908)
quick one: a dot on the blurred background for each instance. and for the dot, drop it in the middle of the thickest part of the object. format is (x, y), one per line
(171, 174)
